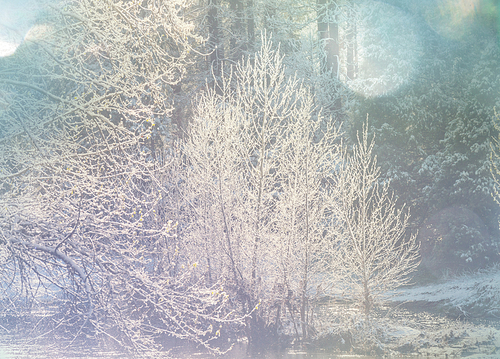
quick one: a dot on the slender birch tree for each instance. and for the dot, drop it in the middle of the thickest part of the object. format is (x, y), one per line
(376, 253)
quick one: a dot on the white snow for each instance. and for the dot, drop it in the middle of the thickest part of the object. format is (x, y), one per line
(479, 291)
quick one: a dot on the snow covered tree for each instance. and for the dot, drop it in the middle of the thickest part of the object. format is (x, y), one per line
(433, 147)
(257, 192)
(84, 126)
(376, 253)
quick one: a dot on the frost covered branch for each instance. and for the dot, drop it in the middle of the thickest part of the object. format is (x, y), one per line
(82, 168)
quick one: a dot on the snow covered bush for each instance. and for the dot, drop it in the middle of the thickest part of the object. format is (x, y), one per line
(258, 194)
(82, 167)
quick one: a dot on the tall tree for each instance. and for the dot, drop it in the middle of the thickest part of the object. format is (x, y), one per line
(328, 31)
(215, 43)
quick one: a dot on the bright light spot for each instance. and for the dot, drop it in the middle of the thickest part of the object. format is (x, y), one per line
(7, 48)
(16, 19)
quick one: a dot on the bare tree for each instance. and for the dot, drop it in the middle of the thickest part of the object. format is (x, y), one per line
(257, 184)
(376, 254)
(82, 222)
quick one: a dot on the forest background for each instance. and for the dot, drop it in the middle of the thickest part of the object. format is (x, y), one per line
(191, 169)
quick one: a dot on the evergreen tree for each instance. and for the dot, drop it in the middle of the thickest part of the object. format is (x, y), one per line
(434, 143)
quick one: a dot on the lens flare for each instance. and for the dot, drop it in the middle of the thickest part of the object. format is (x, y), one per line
(7, 46)
(37, 32)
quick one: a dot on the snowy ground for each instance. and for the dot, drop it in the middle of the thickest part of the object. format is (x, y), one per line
(432, 335)
(472, 296)
(457, 317)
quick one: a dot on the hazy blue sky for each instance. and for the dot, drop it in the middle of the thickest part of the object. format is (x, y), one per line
(16, 18)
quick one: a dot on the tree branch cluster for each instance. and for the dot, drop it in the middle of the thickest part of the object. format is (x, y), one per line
(250, 221)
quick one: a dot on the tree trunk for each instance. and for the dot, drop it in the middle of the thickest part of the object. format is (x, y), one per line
(351, 51)
(328, 32)
(237, 30)
(250, 26)
(215, 45)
